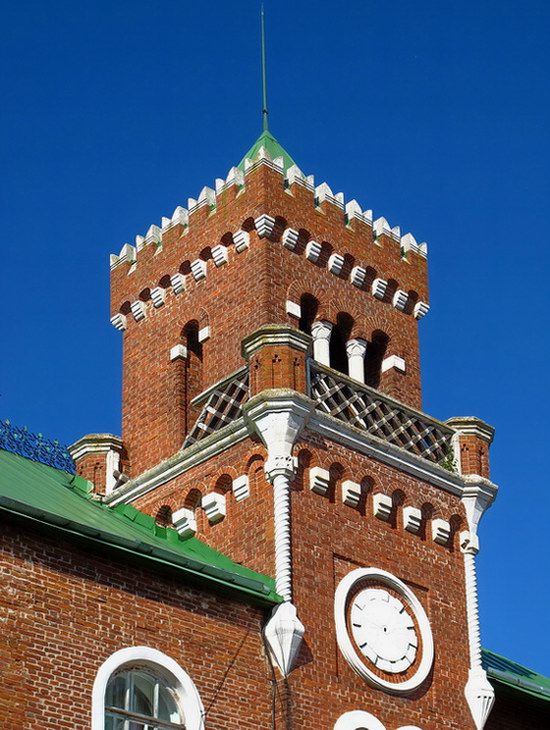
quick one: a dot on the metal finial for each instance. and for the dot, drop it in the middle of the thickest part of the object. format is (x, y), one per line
(264, 76)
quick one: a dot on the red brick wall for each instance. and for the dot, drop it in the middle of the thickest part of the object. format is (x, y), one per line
(329, 539)
(249, 291)
(512, 711)
(65, 610)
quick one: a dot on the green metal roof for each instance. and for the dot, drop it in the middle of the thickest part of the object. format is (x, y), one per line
(267, 140)
(515, 676)
(64, 502)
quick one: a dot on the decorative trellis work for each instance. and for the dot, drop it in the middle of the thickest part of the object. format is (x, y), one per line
(223, 406)
(19, 440)
(369, 410)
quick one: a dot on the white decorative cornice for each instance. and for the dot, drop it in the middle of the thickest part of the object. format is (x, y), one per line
(241, 487)
(242, 240)
(351, 493)
(441, 531)
(400, 299)
(178, 352)
(382, 506)
(412, 519)
(204, 334)
(264, 225)
(395, 362)
(138, 310)
(336, 263)
(220, 255)
(420, 310)
(293, 308)
(198, 269)
(313, 251)
(119, 321)
(214, 506)
(472, 426)
(275, 334)
(358, 275)
(319, 480)
(105, 444)
(184, 522)
(178, 283)
(158, 296)
(378, 288)
(290, 238)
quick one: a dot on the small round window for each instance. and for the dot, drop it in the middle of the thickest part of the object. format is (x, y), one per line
(138, 699)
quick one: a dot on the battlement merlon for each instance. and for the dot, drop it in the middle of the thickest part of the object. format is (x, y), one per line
(372, 249)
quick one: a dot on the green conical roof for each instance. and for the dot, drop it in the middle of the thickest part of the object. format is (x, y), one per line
(267, 140)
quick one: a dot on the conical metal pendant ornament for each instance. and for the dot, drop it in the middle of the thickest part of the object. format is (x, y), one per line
(283, 634)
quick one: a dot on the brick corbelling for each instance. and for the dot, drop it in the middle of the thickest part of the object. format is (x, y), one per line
(66, 610)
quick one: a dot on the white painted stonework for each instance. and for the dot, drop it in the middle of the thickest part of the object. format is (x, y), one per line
(382, 506)
(214, 506)
(184, 522)
(293, 308)
(393, 361)
(335, 264)
(241, 487)
(321, 331)
(284, 633)
(356, 350)
(220, 255)
(198, 269)
(241, 240)
(400, 299)
(290, 238)
(441, 531)
(138, 310)
(412, 519)
(178, 352)
(313, 251)
(204, 334)
(158, 295)
(358, 274)
(119, 321)
(178, 283)
(264, 225)
(420, 310)
(378, 288)
(351, 493)
(319, 480)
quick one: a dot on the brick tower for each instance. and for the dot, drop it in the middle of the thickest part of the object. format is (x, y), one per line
(272, 407)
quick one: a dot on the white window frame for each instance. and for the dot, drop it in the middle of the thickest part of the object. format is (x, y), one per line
(187, 694)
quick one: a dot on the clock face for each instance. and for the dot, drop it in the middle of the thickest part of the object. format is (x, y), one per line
(383, 630)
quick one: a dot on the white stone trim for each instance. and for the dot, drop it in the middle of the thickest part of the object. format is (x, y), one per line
(178, 352)
(400, 299)
(198, 269)
(441, 531)
(220, 255)
(336, 264)
(184, 522)
(313, 251)
(178, 283)
(351, 493)
(293, 308)
(393, 361)
(204, 334)
(242, 240)
(119, 321)
(158, 295)
(378, 288)
(241, 487)
(188, 696)
(321, 331)
(420, 310)
(264, 225)
(290, 238)
(358, 720)
(357, 276)
(153, 235)
(283, 634)
(214, 504)
(355, 351)
(138, 310)
(319, 480)
(345, 643)
(382, 506)
(412, 519)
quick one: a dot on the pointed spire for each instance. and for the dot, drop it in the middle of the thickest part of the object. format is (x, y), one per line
(264, 74)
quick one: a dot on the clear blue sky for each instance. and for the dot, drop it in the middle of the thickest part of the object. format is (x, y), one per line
(434, 114)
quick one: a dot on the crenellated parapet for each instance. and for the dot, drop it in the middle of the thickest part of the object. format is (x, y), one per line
(266, 202)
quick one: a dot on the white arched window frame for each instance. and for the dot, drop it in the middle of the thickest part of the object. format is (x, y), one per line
(152, 659)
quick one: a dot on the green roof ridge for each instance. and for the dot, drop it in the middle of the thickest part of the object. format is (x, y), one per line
(273, 147)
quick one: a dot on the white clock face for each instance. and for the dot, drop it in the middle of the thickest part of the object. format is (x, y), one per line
(383, 630)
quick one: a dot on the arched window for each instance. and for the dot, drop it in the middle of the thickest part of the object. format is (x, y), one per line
(139, 698)
(338, 338)
(309, 306)
(164, 516)
(376, 351)
(143, 689)
(193, 371)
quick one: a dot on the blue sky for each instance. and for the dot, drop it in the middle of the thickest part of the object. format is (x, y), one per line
(433, 114)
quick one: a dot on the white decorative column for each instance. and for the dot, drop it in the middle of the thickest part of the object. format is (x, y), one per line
(355, 350)
(320, 331)
(278, 417)
(478, 495)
